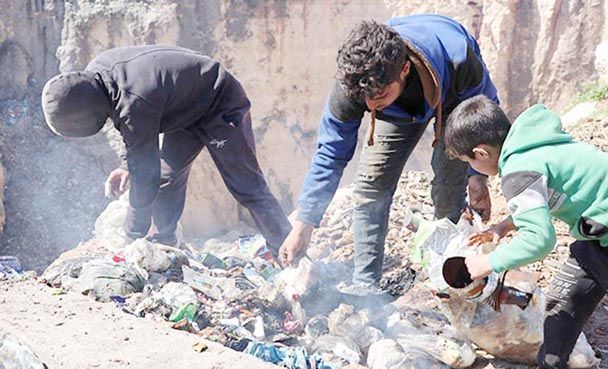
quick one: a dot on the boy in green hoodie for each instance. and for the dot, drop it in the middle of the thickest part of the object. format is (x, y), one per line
(544, 173)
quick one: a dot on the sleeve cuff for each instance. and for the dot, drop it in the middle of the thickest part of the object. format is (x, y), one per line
(309, 218)
(473, 172)
(495, 262)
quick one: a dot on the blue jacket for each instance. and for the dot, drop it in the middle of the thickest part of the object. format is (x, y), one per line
(453, 59)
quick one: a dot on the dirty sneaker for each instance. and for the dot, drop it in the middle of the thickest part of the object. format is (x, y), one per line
(360, 289)
(363, 295)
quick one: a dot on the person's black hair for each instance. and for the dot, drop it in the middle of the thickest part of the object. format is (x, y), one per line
(370, 58)
(475, 121)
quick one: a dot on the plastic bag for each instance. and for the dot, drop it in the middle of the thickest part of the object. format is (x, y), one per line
(102, 278)
(145, 256)
(512, 333)
(15, 355)
(388, 354)
(344, 321)
(452, 351)
(341, 347)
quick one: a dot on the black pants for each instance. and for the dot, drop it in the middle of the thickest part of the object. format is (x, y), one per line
(572, 297)
(232, 148)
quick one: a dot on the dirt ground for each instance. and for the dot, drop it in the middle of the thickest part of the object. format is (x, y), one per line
(71, 331)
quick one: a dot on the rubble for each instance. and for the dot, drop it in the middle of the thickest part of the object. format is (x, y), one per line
(16, 355)
(10, 267)
(232, 291)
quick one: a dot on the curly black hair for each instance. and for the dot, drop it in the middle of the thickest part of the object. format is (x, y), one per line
(370, 58)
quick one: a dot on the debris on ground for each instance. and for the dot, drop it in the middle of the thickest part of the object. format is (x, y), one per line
(233, 292)
(16, 355)
(10, 267)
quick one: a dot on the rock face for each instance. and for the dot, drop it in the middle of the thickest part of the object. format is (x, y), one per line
(284, 55)
(2, 210)
(29, 36)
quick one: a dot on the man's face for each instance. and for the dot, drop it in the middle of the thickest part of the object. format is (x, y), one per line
(390, 92)
(484, 160)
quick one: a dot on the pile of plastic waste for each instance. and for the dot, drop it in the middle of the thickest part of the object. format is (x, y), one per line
(232, 291)
(502, 314)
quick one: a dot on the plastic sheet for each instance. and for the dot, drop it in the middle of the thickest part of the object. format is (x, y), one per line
(346, 322)
(16, 355)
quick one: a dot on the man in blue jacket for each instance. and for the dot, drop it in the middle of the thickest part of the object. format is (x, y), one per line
(405, 73)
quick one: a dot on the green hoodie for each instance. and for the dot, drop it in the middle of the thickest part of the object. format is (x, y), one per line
(544, 174)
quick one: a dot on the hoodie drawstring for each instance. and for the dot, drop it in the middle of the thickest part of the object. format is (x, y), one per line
(438, 123)
(372, 124)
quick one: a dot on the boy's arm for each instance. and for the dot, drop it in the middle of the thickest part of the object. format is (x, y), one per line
(140, 134)
(527, 195)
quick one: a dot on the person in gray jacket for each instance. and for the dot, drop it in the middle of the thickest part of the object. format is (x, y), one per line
(195, 103)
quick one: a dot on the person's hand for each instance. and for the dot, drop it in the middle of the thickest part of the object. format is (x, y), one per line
(117, 182)
(479, 196)
(479, 238)
(478, 265)
(296, 243)
(494, 234)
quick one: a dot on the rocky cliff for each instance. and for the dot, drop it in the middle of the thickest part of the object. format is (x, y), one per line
(284, 54)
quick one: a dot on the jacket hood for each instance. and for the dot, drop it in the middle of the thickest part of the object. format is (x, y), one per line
(535, 127)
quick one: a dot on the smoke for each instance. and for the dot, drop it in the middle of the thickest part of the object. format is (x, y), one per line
(54, 185)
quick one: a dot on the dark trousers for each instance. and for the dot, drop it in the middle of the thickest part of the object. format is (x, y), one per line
(378, 174)
(232, 149)
(572, 297)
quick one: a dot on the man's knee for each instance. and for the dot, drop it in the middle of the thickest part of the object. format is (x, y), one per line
(374, 197)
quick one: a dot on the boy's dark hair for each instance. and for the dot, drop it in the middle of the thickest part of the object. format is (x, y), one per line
(475, 121)
(370, 58)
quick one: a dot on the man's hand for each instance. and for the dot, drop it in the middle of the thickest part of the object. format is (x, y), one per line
(494, 234)
(117, 182)
(479, 196)
(479, 238)
(296, 243)
(478, 265)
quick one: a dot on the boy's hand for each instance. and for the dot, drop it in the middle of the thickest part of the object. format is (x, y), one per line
(479, 196)
(117, 183)
(494, 234)
(479, 238)
(478, 265)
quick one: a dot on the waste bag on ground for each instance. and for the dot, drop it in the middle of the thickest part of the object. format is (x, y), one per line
(345, 321)
(388, 354)
(342, 348)
(317, 326)
(446, 346)
(64, 272)
(511, 333)
(102, 278)
(16, 355)
(147, 257)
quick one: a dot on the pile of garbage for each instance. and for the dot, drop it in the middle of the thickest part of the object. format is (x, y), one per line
(232, 291)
